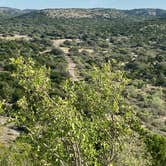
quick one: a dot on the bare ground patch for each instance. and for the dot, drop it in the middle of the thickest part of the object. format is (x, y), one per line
(15, 37)
(7, 132)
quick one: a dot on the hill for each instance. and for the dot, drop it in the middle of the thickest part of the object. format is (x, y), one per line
(147, 12)
(104, 13)
(86, 13)
(6, 12)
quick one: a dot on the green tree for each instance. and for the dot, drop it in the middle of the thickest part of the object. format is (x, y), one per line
(88, 126)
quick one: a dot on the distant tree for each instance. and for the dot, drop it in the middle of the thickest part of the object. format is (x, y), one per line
(57, 51)
(74, 51)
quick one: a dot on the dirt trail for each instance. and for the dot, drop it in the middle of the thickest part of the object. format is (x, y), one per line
(72, 68)
(15, 37)
(45, 51)
(162, 119)
(58, 42)
(71, 64)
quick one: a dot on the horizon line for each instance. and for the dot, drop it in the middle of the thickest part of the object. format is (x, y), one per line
(79, 8)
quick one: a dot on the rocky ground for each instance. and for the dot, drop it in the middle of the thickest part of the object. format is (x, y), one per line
(8, 131)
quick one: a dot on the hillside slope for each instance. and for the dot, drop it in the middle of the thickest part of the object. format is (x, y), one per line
(104, 13)
(6, 12)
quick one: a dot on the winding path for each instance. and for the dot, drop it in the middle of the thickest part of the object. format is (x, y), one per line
(71, 64)
(72, 68)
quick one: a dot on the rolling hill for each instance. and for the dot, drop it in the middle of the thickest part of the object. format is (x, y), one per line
(86, 13)
(6, 12)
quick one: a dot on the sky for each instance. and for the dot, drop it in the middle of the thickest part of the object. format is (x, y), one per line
(119, 4)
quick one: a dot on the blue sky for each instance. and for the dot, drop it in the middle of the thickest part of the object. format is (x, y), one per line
(120, 4)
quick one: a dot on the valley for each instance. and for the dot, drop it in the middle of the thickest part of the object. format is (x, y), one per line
(63, 71)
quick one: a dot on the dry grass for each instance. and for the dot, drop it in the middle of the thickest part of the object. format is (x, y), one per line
(15, 37)
(86, 49)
